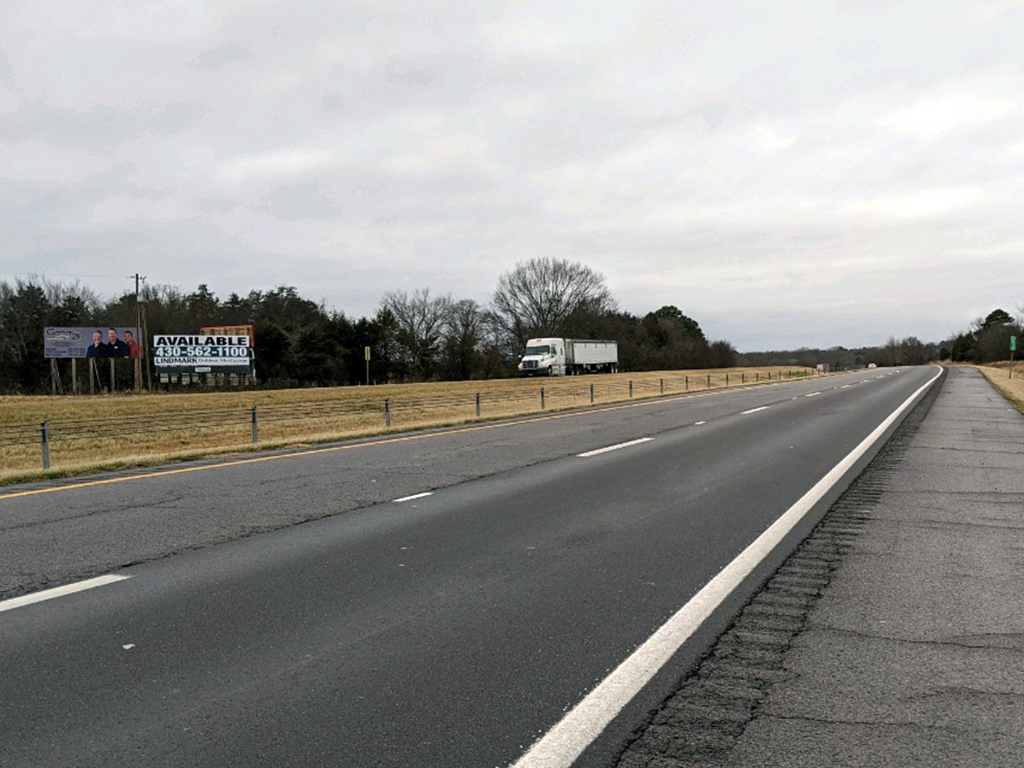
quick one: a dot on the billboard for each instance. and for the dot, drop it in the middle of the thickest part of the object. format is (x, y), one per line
(91, 342)
(202, 353)
(232, 330)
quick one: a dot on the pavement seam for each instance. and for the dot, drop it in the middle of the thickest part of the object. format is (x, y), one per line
(698, 724)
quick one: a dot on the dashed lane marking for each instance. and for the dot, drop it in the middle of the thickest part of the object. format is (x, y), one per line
(68, 589)
(599, 451)
(414, 496)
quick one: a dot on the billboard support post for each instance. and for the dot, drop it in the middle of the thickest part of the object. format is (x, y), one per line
(74, 376)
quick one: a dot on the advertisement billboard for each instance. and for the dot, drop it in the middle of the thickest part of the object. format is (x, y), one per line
(61, 343)
(202, 353)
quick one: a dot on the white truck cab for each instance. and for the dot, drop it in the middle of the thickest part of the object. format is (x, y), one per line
(568, 357)
(543, 357)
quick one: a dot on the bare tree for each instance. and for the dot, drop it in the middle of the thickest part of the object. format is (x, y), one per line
(421, 321)
(539, 297)
(463, 339)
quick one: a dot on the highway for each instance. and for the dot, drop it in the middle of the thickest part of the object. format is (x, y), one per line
(438, 599)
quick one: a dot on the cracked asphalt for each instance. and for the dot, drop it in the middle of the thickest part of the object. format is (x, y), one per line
(894, 635)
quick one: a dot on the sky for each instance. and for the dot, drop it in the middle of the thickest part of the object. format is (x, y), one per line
(787, 173)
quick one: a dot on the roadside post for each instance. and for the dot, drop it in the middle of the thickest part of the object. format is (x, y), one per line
(45, 434)
(366, 357)
(1013, 349)
(255, 426)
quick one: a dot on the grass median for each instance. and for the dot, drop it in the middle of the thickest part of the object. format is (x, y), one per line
(1012, 388)
(101, 433)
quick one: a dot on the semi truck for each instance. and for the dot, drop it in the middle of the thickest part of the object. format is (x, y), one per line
(569, 357)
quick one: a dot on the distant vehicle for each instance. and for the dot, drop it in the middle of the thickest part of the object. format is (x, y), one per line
(871, 366)
(569, 357)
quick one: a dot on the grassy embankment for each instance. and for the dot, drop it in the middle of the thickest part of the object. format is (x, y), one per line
(89, 434)
(999, 375)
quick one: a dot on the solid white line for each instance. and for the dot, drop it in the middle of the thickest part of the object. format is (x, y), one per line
(813, 394)
(414, 496)
(584, 722)
(67, 589)
(754, 410)
(588, 454)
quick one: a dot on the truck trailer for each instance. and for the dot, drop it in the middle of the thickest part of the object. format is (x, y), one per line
(569, 357)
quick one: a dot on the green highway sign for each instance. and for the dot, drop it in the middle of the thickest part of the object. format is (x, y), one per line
(1013, 343)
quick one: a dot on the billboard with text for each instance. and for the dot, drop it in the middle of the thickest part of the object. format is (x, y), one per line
(202, 353)
(91, 342)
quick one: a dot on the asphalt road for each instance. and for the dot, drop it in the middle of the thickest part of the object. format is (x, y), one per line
(452, 629)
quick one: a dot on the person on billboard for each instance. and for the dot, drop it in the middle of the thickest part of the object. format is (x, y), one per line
(115, 347)
(97, 348)
(133, 345)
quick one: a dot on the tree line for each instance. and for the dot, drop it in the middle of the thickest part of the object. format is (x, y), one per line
(986, 341)
(413, 336)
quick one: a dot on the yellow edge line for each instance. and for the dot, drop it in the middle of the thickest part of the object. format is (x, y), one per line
(352, 446)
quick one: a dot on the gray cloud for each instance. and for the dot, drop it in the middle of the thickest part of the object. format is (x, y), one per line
(100, 127)
(816, 174)
(215, 59)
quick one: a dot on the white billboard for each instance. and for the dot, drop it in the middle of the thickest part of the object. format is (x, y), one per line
(201, 353)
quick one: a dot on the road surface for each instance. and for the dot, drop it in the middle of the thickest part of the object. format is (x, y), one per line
(438, 599)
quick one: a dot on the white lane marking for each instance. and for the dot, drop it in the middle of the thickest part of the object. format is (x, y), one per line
(129, 646)
(588, 454)
(698, 423)
(813, 394)
(560, 746)
(754, 410)
(410, 498)
(67, 589)
(846, 386)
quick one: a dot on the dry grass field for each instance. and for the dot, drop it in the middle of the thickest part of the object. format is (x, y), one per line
(999, 375)
(88, 434)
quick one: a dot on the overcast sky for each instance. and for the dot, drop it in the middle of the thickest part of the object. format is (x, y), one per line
(787, 173)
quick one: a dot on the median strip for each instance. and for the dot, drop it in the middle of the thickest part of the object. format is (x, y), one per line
(588, 454)
(50, 594)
